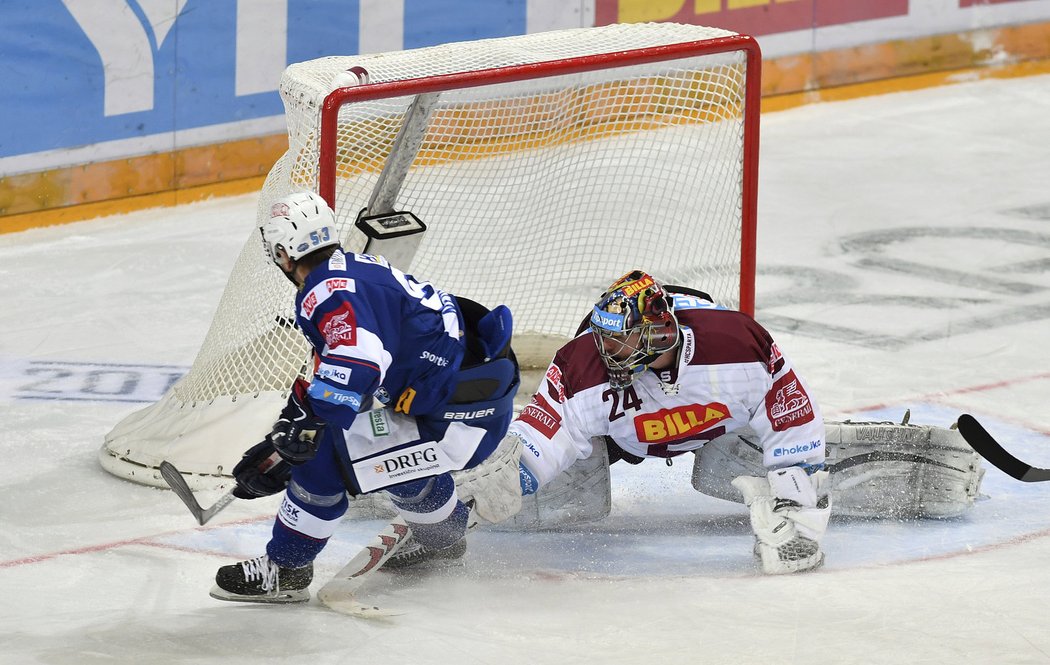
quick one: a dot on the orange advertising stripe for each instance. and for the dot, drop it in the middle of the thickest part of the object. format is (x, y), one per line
(122, 185)
(79, 213)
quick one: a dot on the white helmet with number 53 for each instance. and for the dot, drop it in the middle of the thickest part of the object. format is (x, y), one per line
(299, 223)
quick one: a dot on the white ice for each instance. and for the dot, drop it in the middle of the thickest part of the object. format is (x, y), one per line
(904, 262)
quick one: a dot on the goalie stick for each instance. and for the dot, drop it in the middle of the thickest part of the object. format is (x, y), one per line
(988, 448)
(338, 592)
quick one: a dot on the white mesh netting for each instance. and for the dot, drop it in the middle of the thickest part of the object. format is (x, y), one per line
(537, 193)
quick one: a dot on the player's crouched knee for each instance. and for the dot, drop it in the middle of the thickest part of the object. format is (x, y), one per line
(789, 510)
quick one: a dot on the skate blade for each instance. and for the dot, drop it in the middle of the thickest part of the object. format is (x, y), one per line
(282, 597)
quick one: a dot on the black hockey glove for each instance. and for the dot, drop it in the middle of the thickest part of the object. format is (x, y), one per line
(295, 432)
(260, 472)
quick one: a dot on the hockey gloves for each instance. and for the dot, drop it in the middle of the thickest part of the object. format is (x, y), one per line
(789, 514)
(293, 435)
(261, 472)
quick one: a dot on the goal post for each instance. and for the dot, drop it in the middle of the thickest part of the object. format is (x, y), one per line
(544, 166)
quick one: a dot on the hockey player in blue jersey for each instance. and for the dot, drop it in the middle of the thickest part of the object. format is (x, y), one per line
(409, 384)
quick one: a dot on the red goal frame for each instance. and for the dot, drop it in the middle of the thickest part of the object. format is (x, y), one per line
(752, 108)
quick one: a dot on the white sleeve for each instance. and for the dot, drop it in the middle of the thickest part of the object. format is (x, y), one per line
(788, 422)
(552, 438)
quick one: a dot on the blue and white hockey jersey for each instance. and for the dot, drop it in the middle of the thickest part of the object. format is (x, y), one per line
(379, 336)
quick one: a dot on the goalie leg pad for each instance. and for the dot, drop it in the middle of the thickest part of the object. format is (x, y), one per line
(877, 469)
(881, 469)
(581, 493)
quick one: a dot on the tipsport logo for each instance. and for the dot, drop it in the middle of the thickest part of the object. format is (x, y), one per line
(607, 320)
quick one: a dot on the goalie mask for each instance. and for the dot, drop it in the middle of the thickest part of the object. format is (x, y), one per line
(299, 223)
(633, 324)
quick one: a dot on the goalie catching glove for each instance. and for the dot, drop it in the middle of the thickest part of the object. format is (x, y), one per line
(293, 435)
(789, 514)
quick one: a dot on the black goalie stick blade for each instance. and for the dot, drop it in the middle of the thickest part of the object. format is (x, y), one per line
(988, 448)
(178, 485)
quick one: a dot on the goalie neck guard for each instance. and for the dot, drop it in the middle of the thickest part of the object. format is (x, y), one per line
(633, 324)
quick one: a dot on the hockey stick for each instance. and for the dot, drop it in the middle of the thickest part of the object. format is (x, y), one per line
(986, 445)
(177, 483)
(338, 592)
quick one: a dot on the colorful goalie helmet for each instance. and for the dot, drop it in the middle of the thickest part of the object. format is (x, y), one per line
(299, 223)
(633, 323)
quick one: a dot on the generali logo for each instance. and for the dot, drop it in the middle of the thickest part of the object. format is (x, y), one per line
(787, 403)
(679, 423)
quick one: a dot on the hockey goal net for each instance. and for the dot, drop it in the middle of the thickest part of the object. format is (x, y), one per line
(545, 166)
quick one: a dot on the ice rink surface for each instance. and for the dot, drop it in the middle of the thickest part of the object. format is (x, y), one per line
(904, 263)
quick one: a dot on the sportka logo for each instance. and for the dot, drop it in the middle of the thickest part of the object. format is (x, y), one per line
(434, 358)
(787, 403)
(680, 423)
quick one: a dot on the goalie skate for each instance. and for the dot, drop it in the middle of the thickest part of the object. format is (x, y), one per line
(412, 554)
(260, 580)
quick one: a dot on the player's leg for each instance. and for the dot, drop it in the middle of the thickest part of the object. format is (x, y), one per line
(313, 504)
(438, 519)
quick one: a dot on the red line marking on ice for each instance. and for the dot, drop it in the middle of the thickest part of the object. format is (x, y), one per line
(943, 397)
(960, 391)
(144, 540)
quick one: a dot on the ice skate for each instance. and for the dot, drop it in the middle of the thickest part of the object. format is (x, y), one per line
(412, 553)
(260, 580)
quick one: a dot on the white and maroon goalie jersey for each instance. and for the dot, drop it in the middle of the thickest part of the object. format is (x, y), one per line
(730, 374)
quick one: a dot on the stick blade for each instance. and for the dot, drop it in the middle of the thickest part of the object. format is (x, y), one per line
(988, 448)
(178, 485)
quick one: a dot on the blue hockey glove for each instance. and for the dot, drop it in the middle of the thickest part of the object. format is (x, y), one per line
(295, 432)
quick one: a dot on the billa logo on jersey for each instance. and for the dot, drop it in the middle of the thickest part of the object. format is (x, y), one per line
(679, 423)
(638, 286)
(787, 403)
